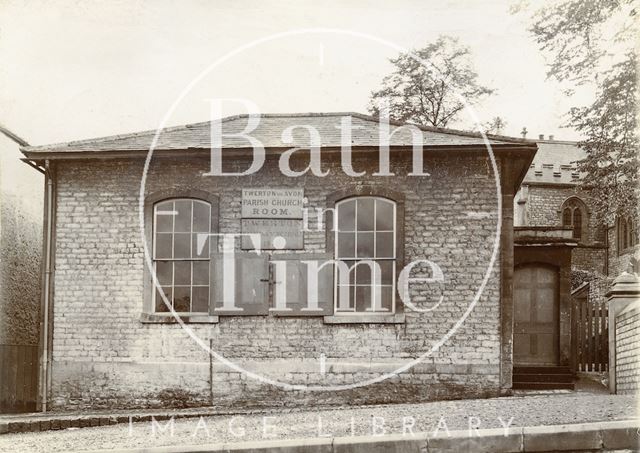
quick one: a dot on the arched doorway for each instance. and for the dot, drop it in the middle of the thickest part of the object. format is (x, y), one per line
(536, 327)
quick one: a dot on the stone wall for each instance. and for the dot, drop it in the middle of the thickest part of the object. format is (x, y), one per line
(619, 260)
(544, 203)
(589, 259)
(543, 206)
(103, 356)
(627, 347)
(20, 247)
(20, 251)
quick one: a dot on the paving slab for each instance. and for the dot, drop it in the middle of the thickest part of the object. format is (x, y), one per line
(381, 444)
(562, 437)
(282, 446)
(620, 435)
(496, 440)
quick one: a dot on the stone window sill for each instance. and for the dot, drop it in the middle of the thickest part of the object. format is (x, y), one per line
(157, 318)
(398, 318)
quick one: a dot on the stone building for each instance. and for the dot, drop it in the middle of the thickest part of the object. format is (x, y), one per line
(550, 202)
(549, 196)
(437, 322)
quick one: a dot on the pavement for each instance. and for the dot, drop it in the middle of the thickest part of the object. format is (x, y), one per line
(528, 417)
(599, 436)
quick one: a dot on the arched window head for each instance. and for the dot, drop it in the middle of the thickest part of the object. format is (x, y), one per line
(574, 215)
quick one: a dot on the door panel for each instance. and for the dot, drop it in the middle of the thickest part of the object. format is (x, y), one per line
(303, 280)
(536, 316)
(247, 280)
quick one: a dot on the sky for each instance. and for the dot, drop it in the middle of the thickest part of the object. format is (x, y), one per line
(81, 69)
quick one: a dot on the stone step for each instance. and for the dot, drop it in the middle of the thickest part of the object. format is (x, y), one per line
(542, 377)
(543, 386)
(542, 370)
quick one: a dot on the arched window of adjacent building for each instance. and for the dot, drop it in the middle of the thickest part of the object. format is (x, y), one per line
(627, 233)
(567, 214)
(574, 215)
(365, 241)
(577, 223)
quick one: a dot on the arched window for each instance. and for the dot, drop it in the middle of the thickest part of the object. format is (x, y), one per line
(574, 216)
(181, 258)
(577, 223)
(365, 247)
(567, 214)
(627, 232)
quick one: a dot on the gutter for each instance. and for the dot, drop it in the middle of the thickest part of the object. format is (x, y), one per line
(32, 165)
(33, 152)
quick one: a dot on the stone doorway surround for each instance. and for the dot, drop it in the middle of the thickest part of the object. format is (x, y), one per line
(551, 246)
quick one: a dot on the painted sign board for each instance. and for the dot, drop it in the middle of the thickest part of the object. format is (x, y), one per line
(258, 203)
(275, 234)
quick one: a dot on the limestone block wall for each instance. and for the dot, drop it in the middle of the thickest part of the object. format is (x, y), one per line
(619, 260)
(104, 356)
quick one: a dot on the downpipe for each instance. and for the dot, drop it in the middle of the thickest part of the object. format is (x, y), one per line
(45, 327)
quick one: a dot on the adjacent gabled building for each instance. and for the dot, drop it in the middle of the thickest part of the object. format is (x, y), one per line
(550, 196)
(551, 199)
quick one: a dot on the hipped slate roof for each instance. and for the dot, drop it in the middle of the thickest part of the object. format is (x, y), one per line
(365, 133)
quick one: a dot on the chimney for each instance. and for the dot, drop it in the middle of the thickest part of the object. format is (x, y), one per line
(550, 137)
(541, 137)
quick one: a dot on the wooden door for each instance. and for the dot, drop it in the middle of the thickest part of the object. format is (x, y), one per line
(536, 316)
(18, 378)
(247, 280)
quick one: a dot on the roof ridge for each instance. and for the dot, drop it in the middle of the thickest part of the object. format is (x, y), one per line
(440, 130)
(185, 126)
(558, 142)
